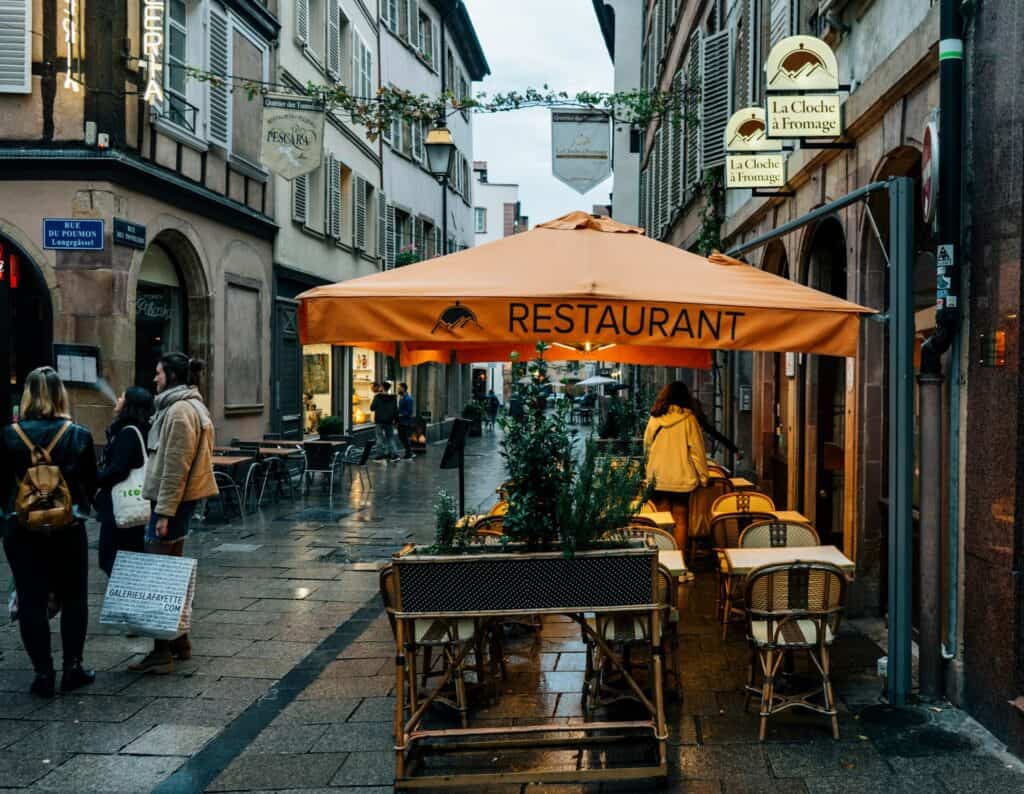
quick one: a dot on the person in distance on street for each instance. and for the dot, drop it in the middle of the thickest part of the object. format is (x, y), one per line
(179, 474)
(385, 414)
(406, 408)
(45, 539)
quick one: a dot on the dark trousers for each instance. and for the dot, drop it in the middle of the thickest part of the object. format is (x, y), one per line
(44, 564)
(678, 504)
(113, 540)
(403, 436)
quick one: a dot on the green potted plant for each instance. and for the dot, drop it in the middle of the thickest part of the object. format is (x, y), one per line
(407, 255)
(331, 427)
(475, 414)
(561, 546)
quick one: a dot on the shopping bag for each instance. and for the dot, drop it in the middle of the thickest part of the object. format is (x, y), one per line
(130, 508)
(150, 594)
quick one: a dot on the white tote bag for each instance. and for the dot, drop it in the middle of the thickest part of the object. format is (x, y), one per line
(150, 594)
(130, 508)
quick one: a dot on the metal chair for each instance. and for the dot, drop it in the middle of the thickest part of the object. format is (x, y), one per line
(793, 607)
(358, 458)
(321, 459)
(774, 534)
(225, 485)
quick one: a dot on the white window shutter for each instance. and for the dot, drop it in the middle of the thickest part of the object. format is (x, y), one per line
(302, 21)
(433, 46)
(300, 199)
(333, 40)
(692, 131)
(15, 46)
(359, 213)
(715, 100)
(384, 17)
(389, 222)
(780, 21)
(219, 126)
(334, 207)
(356, 62)
(414, 25)
(382, 224)
(437, 241)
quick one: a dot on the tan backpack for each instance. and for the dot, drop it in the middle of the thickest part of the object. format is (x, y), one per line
(43, 502)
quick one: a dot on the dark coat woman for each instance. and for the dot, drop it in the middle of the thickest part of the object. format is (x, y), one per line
(123, 453)
(56, 561)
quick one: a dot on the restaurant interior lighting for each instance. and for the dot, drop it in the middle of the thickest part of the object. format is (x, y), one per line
(585, 347)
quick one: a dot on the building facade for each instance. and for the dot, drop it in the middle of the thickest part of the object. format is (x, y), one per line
(135, 217)
(330, 220)
(815, 429)
(496, 209)
(429, 47)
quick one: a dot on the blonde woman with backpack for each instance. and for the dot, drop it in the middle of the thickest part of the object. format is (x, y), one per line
(51, 464)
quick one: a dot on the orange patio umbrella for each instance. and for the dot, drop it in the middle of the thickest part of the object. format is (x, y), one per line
(590, 287)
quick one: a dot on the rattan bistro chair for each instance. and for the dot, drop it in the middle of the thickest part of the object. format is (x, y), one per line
(627, 636)
(701, 501)
(793, 607)
(731, 513)
(775, 534)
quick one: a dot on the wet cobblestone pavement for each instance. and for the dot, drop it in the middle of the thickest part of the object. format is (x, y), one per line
(291, 684)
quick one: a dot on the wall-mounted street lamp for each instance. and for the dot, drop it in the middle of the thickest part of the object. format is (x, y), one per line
(440, 148)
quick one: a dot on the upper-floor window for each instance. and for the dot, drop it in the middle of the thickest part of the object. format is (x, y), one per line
(480, 214)
(362, 67)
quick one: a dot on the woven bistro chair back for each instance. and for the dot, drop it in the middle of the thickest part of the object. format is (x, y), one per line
(701, 501)
(663, 541)
(798, 604)
(731, 513)
(775, 534)
(490, 525)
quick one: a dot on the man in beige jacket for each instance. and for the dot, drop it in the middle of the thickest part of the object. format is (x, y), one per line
(179, 474)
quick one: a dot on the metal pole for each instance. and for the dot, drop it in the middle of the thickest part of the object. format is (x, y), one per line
(5, 334)
(930, 547)
(901, 434)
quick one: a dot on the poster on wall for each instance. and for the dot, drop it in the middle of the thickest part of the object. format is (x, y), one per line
(292, 143)
(580, 148)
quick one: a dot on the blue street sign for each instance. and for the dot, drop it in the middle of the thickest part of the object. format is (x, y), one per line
(73, 234)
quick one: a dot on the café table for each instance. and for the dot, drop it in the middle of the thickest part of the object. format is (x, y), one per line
(792, 516)
(227, 464)
(742, 484)
(662, 519)
(673, 561)
(741, 562)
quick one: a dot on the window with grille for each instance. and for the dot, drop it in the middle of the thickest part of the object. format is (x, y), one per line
(480, 214)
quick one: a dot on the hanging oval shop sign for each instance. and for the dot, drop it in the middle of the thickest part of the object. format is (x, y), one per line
(802, 82)
(929, 170)
(802, 63)
(753, 160)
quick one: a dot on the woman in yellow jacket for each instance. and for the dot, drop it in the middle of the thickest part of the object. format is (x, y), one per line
(675, 455)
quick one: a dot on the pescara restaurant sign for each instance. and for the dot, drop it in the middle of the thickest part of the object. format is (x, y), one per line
(580, 148)
(802, 88)
(293, 135)
(753, 160)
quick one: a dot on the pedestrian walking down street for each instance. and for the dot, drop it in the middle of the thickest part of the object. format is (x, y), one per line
(378, 432)
(406, 409)
(125, 451)
(180, 473)
(675, 455)
(44, 534)
(491, 407)
(385, 415)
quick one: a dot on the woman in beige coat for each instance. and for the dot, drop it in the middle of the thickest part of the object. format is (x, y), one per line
(674, 450)
(179, 474)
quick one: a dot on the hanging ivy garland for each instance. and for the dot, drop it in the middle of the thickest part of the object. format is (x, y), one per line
(376, 114)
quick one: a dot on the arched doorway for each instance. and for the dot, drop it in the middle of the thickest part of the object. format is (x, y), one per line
(161, 312)
(173, 305)
(824, 427)
(29, 342)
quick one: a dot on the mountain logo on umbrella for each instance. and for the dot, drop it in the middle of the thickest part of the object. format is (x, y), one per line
(454, 318)
(800, 64)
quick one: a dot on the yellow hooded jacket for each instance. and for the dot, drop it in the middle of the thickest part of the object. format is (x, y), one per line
(674, 447)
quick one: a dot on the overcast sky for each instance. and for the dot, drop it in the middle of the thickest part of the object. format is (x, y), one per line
(529, 43)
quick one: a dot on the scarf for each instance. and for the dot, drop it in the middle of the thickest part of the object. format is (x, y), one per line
(164, 400)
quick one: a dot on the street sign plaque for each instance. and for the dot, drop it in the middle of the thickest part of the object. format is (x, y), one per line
(73, 234)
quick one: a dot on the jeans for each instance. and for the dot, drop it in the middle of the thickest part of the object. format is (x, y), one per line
(177, 525)
(403, 435)
(387, 444)
(42, 564)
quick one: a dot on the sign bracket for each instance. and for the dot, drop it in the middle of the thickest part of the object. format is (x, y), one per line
(772, 193)
(806, 144)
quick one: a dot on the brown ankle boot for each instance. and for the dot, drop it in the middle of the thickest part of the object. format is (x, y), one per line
(157, 661)
(181, 648)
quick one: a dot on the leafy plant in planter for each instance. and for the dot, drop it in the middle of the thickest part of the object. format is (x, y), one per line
(331, 426)
(407, 255)
(448, 535)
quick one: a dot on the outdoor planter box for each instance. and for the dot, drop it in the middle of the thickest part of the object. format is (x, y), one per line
(506, 581)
